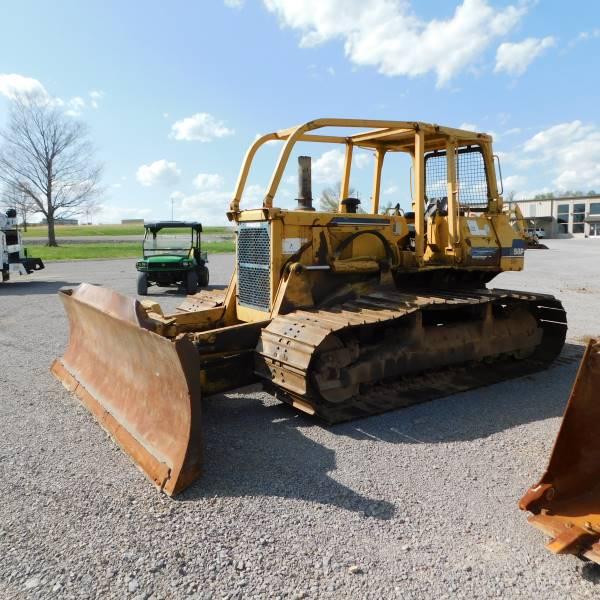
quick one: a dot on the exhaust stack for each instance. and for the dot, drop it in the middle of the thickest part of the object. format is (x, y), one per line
(305, 198)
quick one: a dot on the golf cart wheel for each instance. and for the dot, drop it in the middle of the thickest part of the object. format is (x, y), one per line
(204, 277)
(191, 282)
(142, 284)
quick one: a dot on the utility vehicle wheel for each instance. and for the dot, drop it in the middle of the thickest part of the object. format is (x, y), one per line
(5, 275)
(142, 284)
(203, 277)
(191, 282)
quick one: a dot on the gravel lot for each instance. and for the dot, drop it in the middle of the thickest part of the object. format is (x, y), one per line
(418, 503)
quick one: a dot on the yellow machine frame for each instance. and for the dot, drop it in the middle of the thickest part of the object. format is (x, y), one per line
(320, 304)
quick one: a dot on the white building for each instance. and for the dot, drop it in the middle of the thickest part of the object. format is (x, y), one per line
(564, 217)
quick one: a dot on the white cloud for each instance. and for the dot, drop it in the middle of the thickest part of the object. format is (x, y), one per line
(388, 35)
(234, 3)
(159, 172)
(111, 213)
(514, 183)
(207, 206)
(362, 159)
(95, 97)
(75, 106)
(13, 85)
(589, 35)
(210, 205)
(473, 127)
(201, 127)
(208, 181)
(328, 167)
(585, 36)
(515, 58)
(320, 72)
(253, 194)
(513, 131)
(570, 152)
(392, 189)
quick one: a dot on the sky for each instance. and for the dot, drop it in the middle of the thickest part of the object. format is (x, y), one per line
(174, 93)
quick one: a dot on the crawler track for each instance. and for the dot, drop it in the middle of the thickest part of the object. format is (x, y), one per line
(387, 349)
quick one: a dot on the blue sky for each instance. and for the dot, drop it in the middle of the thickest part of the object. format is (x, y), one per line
(175, 92)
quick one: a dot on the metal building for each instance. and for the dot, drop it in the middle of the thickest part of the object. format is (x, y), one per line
(577, 216)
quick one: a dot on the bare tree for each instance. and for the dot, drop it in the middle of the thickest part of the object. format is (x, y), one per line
(48, 157)
(330, 197)
(92, 207)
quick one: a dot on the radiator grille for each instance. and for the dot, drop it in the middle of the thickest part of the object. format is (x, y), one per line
(253, 265)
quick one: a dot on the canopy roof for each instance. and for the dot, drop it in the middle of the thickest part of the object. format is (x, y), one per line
(158, 225)
(391, 135)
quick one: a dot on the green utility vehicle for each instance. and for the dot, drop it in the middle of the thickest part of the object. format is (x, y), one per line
(171, 258)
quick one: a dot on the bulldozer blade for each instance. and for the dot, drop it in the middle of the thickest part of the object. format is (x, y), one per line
(143, 389)
(566, 501)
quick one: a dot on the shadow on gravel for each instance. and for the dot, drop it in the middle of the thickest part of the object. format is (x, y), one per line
(255, 450)
(478, 413)
(169, 292)
(591, 572)
(30, 287)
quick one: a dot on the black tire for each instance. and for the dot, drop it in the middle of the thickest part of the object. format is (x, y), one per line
(5, 275)
(203, 277)
(191, 282)
(142, 284)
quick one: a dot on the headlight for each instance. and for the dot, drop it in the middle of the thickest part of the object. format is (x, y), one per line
(141, 264)
(185, 263)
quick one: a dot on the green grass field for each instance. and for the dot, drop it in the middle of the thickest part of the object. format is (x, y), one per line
(85, 230)
(117, 250)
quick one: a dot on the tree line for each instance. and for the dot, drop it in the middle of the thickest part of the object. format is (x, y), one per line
(565, 194)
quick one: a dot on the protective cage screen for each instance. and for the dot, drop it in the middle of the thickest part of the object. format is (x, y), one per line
(471, 177)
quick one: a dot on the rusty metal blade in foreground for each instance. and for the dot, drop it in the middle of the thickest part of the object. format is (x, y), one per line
(142, 388)
(566, 502)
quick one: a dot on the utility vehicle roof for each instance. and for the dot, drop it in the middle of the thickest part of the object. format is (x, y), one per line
(158, 225)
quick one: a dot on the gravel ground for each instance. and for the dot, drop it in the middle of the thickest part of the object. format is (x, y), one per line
(417, 503)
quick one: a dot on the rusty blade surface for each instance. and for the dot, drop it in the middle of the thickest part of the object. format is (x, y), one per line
(142, 388)
(566, 501)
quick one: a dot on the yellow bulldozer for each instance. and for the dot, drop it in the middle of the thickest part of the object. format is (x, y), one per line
(340, 314)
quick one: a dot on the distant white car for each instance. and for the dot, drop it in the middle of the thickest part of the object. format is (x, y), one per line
(536, 232)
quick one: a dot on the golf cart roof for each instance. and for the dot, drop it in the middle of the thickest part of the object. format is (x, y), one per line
(158, 225)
